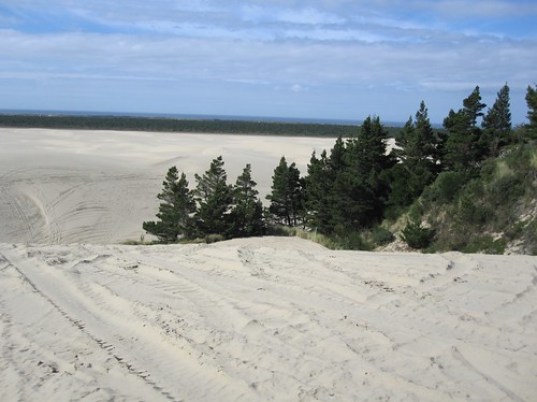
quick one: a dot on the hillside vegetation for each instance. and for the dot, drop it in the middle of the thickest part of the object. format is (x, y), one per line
(490, 211)
(471, 187)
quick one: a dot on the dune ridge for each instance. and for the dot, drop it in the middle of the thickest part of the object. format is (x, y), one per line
(88, 186)
(264, 319)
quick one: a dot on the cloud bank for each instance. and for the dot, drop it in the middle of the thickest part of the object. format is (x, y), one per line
(326, 59)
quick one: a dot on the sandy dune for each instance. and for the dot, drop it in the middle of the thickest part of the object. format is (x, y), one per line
(72, 186)
(267, 319)
(264, 319)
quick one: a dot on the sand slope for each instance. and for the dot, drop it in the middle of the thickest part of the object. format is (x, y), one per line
(76, 186)
(264, 319)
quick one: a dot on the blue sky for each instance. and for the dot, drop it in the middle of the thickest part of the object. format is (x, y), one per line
(294, 58)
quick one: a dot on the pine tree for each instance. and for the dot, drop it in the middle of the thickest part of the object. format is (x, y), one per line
(319, 193)
(286, 199)
(403, 142)
(174, 211)
(531, 100)
(360, 189)
(472, 107)
(497, 123)
(296, 190)
(215, 198)
(463, 148)
(427, 141)
(336, 162)
(247, 213)
(417, 154)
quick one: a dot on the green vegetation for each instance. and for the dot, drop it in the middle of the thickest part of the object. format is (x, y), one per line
(471, 187)
(127, 123)
(417, 236)
(287, 197)
(495, 205)
(174, 210)
(214, 211)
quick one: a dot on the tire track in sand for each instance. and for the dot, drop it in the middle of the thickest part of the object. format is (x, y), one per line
(109, 321)
(83, 327)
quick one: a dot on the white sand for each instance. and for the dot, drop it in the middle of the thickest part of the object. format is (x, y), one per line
(69, 186)
(268, 319)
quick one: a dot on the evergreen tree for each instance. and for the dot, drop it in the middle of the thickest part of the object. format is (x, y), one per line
(215, 198)
(417, 154)
(319, 193)
(497, 123)
(361, 188)
(247, 213)
(464, 148)
(404, 139)
(323, 198)
(531, 100)
(296, 190)
(280, 203)
(286, 199)
(417, 141)
(174, 216)
(472, 107)
(337, 160)
(427, 141)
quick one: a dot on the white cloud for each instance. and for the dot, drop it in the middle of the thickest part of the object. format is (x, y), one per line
(298, 88)
(346, 49)
(481, 8)
(298, 16)
(308, 16)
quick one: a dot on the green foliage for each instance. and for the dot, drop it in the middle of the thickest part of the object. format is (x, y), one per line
(417, 236)
(287, 197)
(324, 240)
(214, 211)
(352, 240)
(381, 236)
(471, 203)
(531, 100)
(466, 212)
(182, 125)
(360, 186)
(215, 198)
(497, 124)
(463, 147)
(485, 244)
(446, 187)
(174, 216)
(247, 213)
(470, 208)
(418, 165)
(319, 192)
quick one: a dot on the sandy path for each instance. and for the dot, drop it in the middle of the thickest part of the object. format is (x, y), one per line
(73, 186)
(264, 319)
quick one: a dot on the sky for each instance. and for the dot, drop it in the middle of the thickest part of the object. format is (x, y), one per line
(321, 59)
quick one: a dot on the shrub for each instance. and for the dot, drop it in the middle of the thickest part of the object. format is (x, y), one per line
(446, 187)
(417, 236)
(381, 236)
(485, 244)
(214, 238)
(353, 241)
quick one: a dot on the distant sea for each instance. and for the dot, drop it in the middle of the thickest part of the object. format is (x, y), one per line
(195, 117)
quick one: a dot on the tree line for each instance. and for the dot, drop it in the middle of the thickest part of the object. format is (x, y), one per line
(351, 187)
(159, 124)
